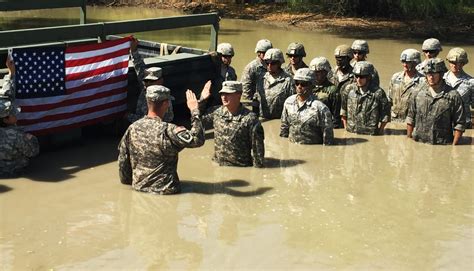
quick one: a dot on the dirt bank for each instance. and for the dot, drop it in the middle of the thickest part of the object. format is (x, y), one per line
(457, 29)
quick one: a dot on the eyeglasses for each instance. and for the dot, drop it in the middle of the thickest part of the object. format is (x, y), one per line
(272, 62)
(302, 83)
(358, 53)
(431, 52)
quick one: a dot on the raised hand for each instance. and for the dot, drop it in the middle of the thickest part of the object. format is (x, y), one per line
(191, 100)
(206, 91)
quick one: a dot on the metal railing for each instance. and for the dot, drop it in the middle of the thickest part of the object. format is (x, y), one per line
(64, 34)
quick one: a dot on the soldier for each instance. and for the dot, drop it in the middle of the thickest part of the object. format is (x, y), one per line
(253, 73)
(458, 79)
(238, 134)
(436, 110)
(405, 84)
(360, 50)
(366, 109)
(277, 85)
(305, 120)
(295, 54)
(16, 146)
(431, 48)
(145, 77)
(226, 52)
(342, 74)
(148, 151)
(324, 90)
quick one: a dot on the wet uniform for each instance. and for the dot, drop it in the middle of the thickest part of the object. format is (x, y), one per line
(434, 118)
(238, 139)
(365, 110)
(142, 107)
(148, 153)
(400, 93)
(16, 148)
(310, 123)
(464, 85)
(273, 92)
(251, 77)
(327, 93)
(341, 82)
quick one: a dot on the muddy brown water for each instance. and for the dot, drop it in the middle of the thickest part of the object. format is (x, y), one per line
(367, 203)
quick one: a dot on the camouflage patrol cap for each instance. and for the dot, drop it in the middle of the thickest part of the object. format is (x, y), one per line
(7, 108)
(263, 46)
(320, 64)
(296, 49)
(343, 50)
(225, 49)
(231, 87)
(304, 74)
(363, 68)
(158, 93)
(274, 54)
(457, 54)
(410, 55)
(153, 73)
(360, 45)
(431, 44)
(435, 65)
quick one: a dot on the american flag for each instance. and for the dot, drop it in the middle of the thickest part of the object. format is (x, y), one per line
(64, 88)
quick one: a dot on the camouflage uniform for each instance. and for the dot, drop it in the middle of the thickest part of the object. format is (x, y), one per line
(464, 85)
(16, 147)
(288, 68)
(364, 111)
(434, 118)
(8, 89)
(238, 139)
(309, 124)
(272, 94)
(400, 93)
(251, 77)
(148, 152)
(142, 107)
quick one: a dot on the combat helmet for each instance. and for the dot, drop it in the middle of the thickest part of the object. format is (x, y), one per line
(7, 108)
(304, 74)
(320, 64)
(263, 45)
(410, 55)
(343, 50)
(457, 54)
(360, 45)
(435, 65)
(296, 49)
(363, 68)
(431, 44)
(225, 49)
(274, 54)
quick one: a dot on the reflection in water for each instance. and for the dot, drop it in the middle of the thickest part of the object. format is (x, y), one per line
(366, 203)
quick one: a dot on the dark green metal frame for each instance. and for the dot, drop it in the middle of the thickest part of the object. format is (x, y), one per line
(62, 34)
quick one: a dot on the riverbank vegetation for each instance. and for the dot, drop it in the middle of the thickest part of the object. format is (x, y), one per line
(449, 20)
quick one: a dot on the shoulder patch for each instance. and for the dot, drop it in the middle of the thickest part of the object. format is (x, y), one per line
(183, 134)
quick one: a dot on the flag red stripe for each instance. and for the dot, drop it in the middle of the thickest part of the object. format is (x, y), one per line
(81, 100)
(77, 124)
(94, 59)
(96, 46)
(86, 74)
(107, 81)
(25, 122)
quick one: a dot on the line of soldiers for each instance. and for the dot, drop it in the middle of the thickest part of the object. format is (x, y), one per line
(309, 101)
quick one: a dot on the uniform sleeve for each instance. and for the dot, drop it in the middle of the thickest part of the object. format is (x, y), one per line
(459, 114)
(232, 75)
(411, 115)
(328, 129)
(344, 103)
(183, 138)
(248, 82)
(29, 146)
(8, 88)
(208, 117)
(258, 147)
(390, 89)
(385, 107)
(139, 66)
(471, 90)
(125, 167)
(285, 125)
